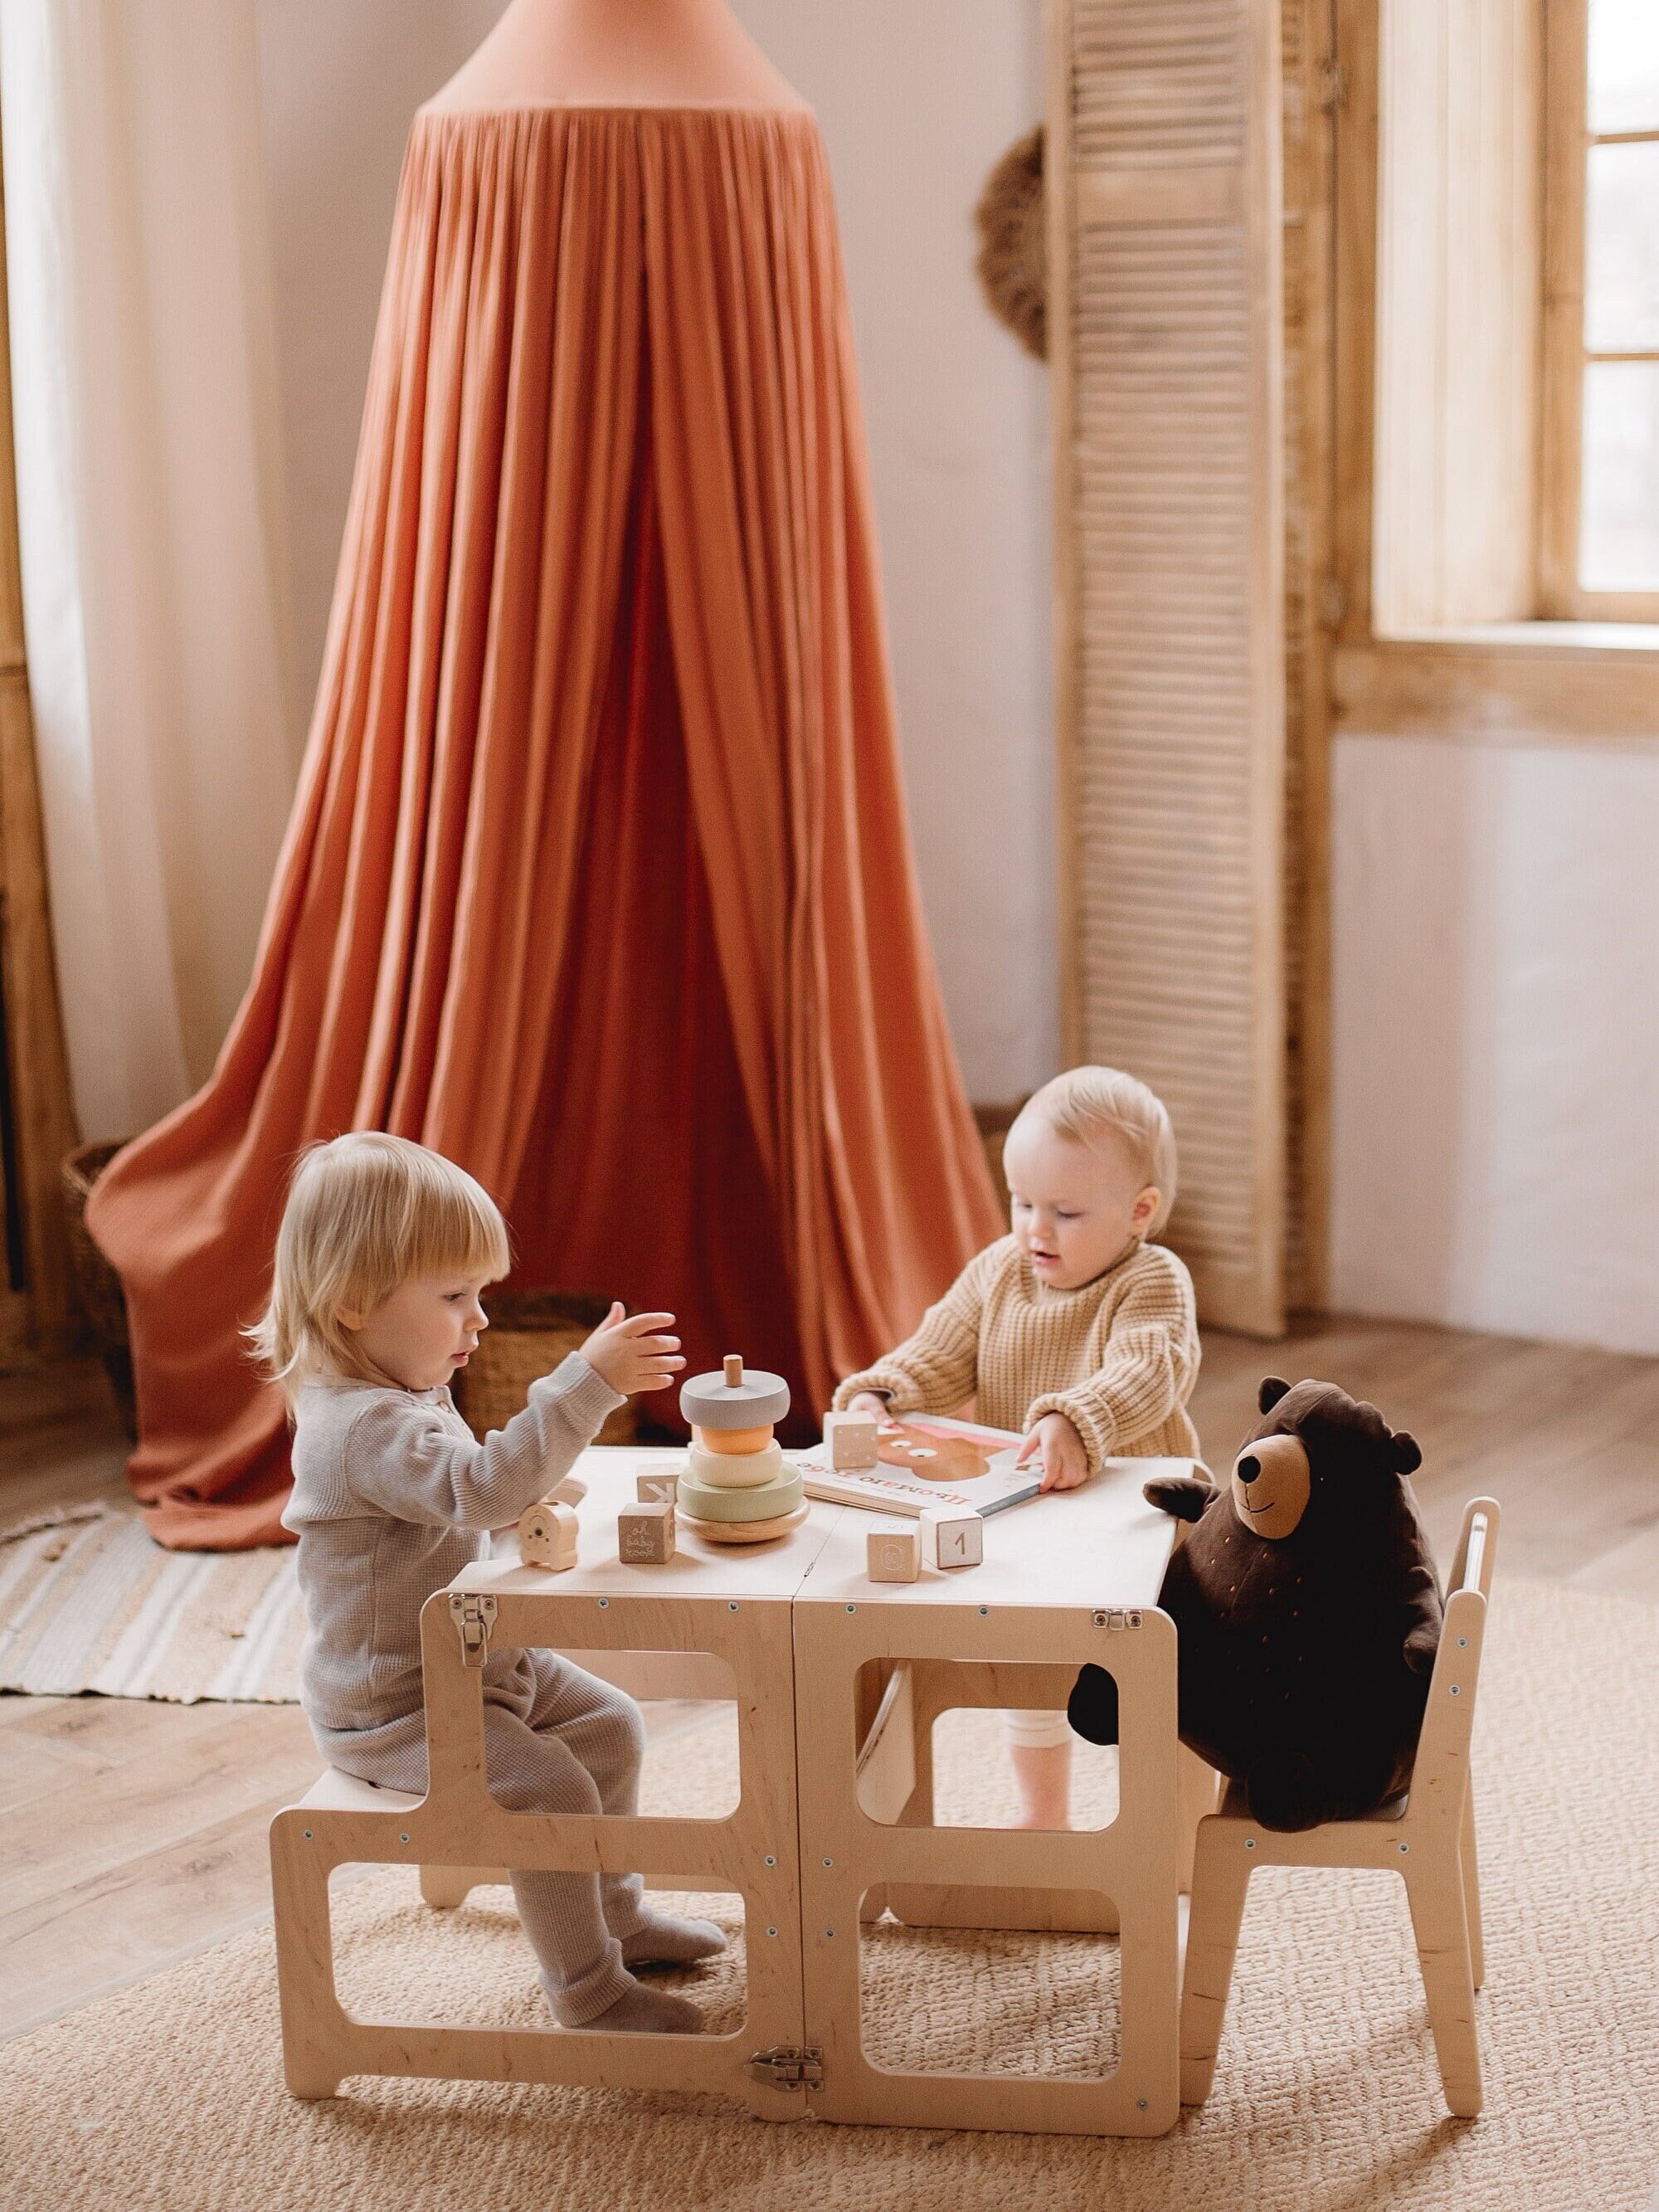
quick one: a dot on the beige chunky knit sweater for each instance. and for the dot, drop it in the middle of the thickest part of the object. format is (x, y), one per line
(1118, 1357)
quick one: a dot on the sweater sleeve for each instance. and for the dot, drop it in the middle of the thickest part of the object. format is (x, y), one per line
(1147, 1374)
(935, 1369)
(406, 1459)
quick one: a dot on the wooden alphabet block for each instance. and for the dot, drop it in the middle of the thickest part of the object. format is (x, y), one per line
(547, 1535)
(645, 1534)
(656, 1485)
(851, 1442)
(894, 1555)
(953, 1538)
(571, 1491)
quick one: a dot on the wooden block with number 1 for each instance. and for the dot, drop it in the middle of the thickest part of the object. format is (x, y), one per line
(894, 1555)
(953, 1538)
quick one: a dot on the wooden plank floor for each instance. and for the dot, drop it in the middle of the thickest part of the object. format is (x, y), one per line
(133, 1833)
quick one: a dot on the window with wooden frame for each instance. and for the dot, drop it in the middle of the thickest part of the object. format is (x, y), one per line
(1599, 488)
(1459, 378)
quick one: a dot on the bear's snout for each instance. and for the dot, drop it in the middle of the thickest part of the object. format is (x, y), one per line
(1272, 1484)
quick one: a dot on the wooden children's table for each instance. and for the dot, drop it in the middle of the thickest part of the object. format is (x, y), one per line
(837, 1681)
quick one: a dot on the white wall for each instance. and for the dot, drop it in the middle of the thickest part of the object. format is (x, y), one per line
(1496, 1059)
(916, 99)
(339, 84)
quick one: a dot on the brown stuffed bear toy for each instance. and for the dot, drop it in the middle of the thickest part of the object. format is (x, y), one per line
(1308, 1608)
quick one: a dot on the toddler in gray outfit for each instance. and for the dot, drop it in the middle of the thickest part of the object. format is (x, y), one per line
(384, 1251)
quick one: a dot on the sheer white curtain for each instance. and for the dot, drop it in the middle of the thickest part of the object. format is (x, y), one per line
(148, 467)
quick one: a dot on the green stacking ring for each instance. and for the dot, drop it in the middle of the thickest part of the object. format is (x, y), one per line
(703, 1503)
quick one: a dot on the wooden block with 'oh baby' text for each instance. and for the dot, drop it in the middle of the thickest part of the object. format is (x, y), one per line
(645, 1534)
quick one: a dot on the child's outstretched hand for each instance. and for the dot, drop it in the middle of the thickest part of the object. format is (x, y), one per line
(871, 1402)
(1058, 1445)
(630, 1352)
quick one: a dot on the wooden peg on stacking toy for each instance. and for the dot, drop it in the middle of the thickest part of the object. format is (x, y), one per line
(645, 1535)
(894, 1555)
(547, 1535)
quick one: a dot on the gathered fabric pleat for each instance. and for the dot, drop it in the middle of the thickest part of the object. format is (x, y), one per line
(598, 879)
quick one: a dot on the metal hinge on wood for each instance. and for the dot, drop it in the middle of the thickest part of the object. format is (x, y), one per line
(474, 1617)
(1333, 87)
(786, 2067)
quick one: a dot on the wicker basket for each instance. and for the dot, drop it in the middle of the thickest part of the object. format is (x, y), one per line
(529, 1334)
(96, 1283)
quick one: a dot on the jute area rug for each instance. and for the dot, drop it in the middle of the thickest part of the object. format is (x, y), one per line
(170, 2094)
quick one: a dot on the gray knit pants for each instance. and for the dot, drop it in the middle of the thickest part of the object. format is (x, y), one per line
(556, 1740)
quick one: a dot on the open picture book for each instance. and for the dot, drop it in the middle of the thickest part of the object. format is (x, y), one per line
(926, 1461)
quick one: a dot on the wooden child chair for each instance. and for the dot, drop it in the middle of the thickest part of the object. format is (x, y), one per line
(1428, 1836)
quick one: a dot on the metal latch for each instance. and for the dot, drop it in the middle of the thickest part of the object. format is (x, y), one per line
(784, 2066)
(474, 1615)
(1113, 1616)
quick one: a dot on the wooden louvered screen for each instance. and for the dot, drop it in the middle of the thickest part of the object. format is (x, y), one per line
(1311, 93)
(1166, 347)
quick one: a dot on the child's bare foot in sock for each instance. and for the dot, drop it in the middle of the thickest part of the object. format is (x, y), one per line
(639, 2011)
(660, 1940)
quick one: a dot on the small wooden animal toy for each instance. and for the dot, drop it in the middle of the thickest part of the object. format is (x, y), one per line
(547, 1535)
(953, 1539)
(656, 1485)
(852, 1441)
(894, 1555)
(645, 1534)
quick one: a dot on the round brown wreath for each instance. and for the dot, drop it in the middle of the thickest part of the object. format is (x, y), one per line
(1013, 256)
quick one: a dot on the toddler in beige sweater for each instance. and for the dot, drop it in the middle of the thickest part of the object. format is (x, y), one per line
(1074, 1330)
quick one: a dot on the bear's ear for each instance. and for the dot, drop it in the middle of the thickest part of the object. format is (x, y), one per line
(1403, 1452)
(1269, 1395)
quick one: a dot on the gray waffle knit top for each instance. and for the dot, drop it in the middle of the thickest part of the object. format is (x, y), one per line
(393, 1496)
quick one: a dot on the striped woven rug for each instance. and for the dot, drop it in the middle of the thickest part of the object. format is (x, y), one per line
(88, 1602)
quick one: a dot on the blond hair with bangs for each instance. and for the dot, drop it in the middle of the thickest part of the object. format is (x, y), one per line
(1087, 1103)
(365, 1213)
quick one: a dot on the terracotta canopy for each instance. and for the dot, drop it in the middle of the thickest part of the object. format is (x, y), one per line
(598, 879)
